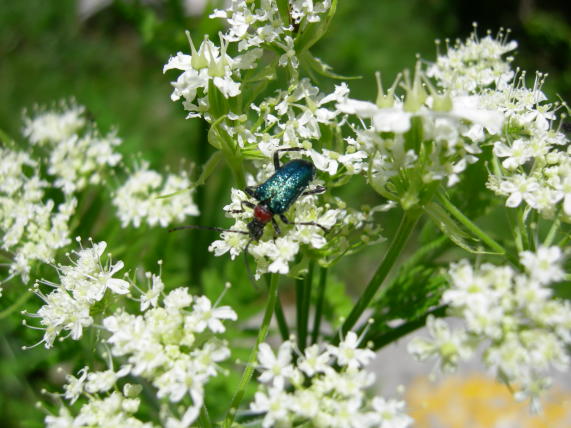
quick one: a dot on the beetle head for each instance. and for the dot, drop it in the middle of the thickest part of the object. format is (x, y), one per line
(256, 229)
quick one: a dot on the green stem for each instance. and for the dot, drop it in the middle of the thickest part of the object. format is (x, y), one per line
(472, 227)
(403, 232)
(514, 231)
(203, 418)
(280, 317)
(404, 329)
(298, 304)
(319, 304)
(16, 305)
(238, 173)
(522, 228)
(270, 306)
(532, 230)
(305, 303)
(552, 232)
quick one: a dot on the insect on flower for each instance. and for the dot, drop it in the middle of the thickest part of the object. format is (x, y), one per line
(275, 196)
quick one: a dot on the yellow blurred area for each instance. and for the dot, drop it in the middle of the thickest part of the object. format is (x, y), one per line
(477, 401)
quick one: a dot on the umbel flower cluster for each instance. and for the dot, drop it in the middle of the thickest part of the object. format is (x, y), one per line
(524, 332)
(65, 154)
(311, 391)
(68, 307)
(172, 343)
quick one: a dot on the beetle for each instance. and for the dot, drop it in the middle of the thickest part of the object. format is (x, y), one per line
(278, 193)
(275, 196)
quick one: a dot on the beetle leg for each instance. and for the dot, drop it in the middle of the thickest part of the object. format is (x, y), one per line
(250, 191)
(303, 223)
(276, 227)
(288, 149)
(316, 190)
(242, 203)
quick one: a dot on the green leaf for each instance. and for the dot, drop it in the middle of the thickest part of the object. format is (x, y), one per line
(452, 229)
(216, 101)
(317, 65)
(209, 168)
(337, 302)
(283, 8)
(415, 291)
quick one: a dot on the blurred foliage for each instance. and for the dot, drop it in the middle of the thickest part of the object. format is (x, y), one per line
(111, 61)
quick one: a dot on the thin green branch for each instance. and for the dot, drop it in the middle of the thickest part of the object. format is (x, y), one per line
(298, 304)
(472, 227)
(281, 319)
(404, 329)
(302, 328)
(16, 305)
(403, 232)
(319, 304)
(552, 232)
(249, 370)
(204, 418)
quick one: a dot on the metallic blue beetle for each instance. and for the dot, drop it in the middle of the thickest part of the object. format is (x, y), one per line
(278, 193)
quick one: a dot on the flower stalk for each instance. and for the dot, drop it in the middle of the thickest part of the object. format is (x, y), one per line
(319, 304)
(472, 227)
(249, 370)
(403, 232)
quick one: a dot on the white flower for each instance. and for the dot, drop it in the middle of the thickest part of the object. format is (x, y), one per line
(314, 361)
(160, 345)
(205, 316)
(519, 187)
(275, 404)
(275, 369)
(318, 392)
(62, 420)
(63, 312)
(282, 253)
(81, 160)
(32, 227)
(512, 316)
(190, 415)
(115, 410)
(447, 346)
(474, 64)
(78, 154)
(308, 224)
(471, 289)
(390, 413)
(518, 154)
(151, 296)
(149, 197)
(74, 386)
(329, 161)
(544, 266)
(178, 298)
(54, 126)
(348, 352)
(182, 378)
(82, 284)
(308, 9)
(103, 381)
(209, 63)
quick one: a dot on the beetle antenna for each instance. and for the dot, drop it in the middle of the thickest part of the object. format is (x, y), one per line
(218, 229)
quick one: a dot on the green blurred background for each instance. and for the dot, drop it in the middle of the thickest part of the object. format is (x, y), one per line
(109, 56)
